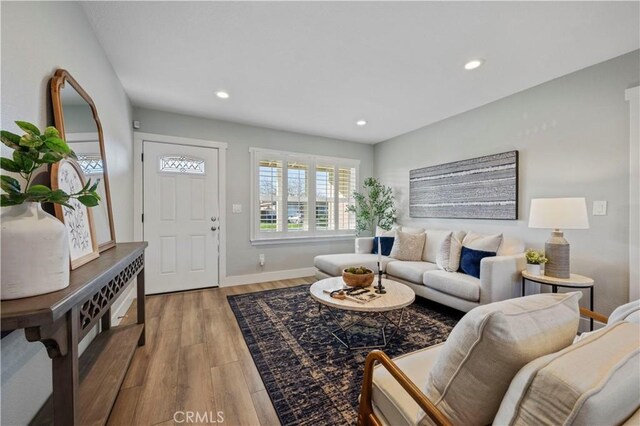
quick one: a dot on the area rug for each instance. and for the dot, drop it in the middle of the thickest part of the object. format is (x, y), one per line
(310, 377)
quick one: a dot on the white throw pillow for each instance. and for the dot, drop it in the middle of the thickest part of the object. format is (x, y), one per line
(482, 242)
(390, 233)
(490, 345)
(448, 257)
(410, 230)
(408, 246)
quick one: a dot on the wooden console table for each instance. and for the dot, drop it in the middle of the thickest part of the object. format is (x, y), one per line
(84, 388)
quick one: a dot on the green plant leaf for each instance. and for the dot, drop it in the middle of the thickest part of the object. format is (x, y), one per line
(88, 200)
(50, 158)
(9, 184)
(38, 190)
(7, 200)
(57, 145)
(9, 165)
(28, 127)
(95, 185)
(30, 141)
(24, 161)
(51, 132)
(10, 139)
(58, 196)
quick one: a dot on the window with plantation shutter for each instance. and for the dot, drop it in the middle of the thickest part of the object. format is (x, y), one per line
(301, 196)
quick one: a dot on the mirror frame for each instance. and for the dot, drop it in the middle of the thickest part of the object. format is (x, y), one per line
(58, 81)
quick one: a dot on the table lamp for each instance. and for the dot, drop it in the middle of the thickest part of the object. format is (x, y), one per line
(557, 214)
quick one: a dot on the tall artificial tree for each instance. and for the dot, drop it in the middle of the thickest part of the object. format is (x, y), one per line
(373, 207)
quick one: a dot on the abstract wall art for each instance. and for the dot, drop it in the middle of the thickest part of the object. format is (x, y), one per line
(479, 188)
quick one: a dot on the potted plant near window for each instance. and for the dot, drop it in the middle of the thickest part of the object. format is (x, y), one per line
(35, 245)
(374, 207)
(534, 258)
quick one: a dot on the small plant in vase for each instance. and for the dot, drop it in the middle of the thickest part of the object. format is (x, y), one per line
(26, 228)
(373, 207)
(535, 258)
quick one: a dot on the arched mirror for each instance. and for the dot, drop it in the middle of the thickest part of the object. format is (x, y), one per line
(76, 119)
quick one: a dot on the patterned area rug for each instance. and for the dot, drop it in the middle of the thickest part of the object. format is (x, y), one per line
(311, 378)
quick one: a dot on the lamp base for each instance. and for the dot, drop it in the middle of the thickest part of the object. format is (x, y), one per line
(557, 251)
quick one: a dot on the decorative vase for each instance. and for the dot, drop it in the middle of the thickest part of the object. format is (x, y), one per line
(533, 269)
(35, 252)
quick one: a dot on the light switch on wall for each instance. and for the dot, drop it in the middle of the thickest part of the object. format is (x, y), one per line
(599, 208)
(237, 208)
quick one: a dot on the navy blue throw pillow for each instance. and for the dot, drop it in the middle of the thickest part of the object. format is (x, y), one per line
(386, 243)
(470, 260)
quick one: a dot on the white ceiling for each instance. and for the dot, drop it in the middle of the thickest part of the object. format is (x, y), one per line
(318, 67)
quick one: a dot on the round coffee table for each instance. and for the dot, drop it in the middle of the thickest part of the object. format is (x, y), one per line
(387, 310)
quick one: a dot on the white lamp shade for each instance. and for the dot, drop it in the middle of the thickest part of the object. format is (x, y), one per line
(558, 213)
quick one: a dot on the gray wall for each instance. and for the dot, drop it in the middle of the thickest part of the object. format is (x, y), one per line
(573, 138)
(38, 38)
(242, 257)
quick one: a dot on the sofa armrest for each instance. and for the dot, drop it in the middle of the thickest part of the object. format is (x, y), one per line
(500, 277)
(364, 245)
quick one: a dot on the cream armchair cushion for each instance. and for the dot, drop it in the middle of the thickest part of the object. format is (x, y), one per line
(595, 381)
(487, 348)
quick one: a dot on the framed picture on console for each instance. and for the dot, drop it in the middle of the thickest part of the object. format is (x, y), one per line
(83, 246)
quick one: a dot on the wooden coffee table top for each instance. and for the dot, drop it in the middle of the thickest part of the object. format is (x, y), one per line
(398, 296)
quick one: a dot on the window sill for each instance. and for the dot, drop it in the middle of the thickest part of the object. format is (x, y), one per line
(301, 239)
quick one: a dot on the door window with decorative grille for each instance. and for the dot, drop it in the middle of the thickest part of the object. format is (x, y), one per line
(299, 195)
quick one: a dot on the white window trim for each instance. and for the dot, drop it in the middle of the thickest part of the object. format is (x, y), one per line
(285, 237)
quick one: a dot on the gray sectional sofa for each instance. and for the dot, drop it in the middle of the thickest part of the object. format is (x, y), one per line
(499, 276)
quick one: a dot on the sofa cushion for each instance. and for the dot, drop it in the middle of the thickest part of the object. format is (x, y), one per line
(448, 258)
(510, 246)
(490, 345)
(470, 260)
(386, 244)
(408, 246)
(627, 312)
(594, 382)
(477, 241)
(387, 394)
(410, 271)
(454, 283)
(434, 241)
(333, 264)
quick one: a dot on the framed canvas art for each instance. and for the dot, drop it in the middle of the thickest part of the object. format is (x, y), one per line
(478, 188)
(83, 245)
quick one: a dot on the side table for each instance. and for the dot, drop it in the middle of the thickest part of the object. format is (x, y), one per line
(574, 281)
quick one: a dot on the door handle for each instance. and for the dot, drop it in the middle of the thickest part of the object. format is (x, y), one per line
(213, 218)
(214, 228)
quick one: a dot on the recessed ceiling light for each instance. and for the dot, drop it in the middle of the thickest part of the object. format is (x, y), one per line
(473, 64)
(361, 123)
(222, 94)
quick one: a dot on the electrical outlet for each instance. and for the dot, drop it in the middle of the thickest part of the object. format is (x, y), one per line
(261, 259)
(237, 208)
(599, 208)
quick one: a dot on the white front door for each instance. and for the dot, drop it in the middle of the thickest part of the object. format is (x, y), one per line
(180, 216)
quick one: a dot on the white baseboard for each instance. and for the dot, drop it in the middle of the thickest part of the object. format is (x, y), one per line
(119, 309)
(267, 276)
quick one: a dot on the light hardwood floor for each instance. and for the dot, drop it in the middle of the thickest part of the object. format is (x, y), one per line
(195, 359)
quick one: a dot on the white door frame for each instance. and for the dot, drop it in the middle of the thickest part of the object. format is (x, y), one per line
(138, 202)
(633, 96)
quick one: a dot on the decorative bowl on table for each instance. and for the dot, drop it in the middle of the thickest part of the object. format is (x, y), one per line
(357, 277)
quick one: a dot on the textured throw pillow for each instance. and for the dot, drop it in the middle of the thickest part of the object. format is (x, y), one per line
(386, 244)
(448, 257)
(470, 260)
(594, 382)
(489, 345)
(482, 242)
(408, 246)
(410, 230)
(390, 233)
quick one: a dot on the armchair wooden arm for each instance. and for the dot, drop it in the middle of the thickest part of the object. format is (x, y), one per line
(366, 416)
(595, 315)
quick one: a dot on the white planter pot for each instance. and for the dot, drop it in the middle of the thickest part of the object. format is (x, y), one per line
(35, 252)
(533, 269)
